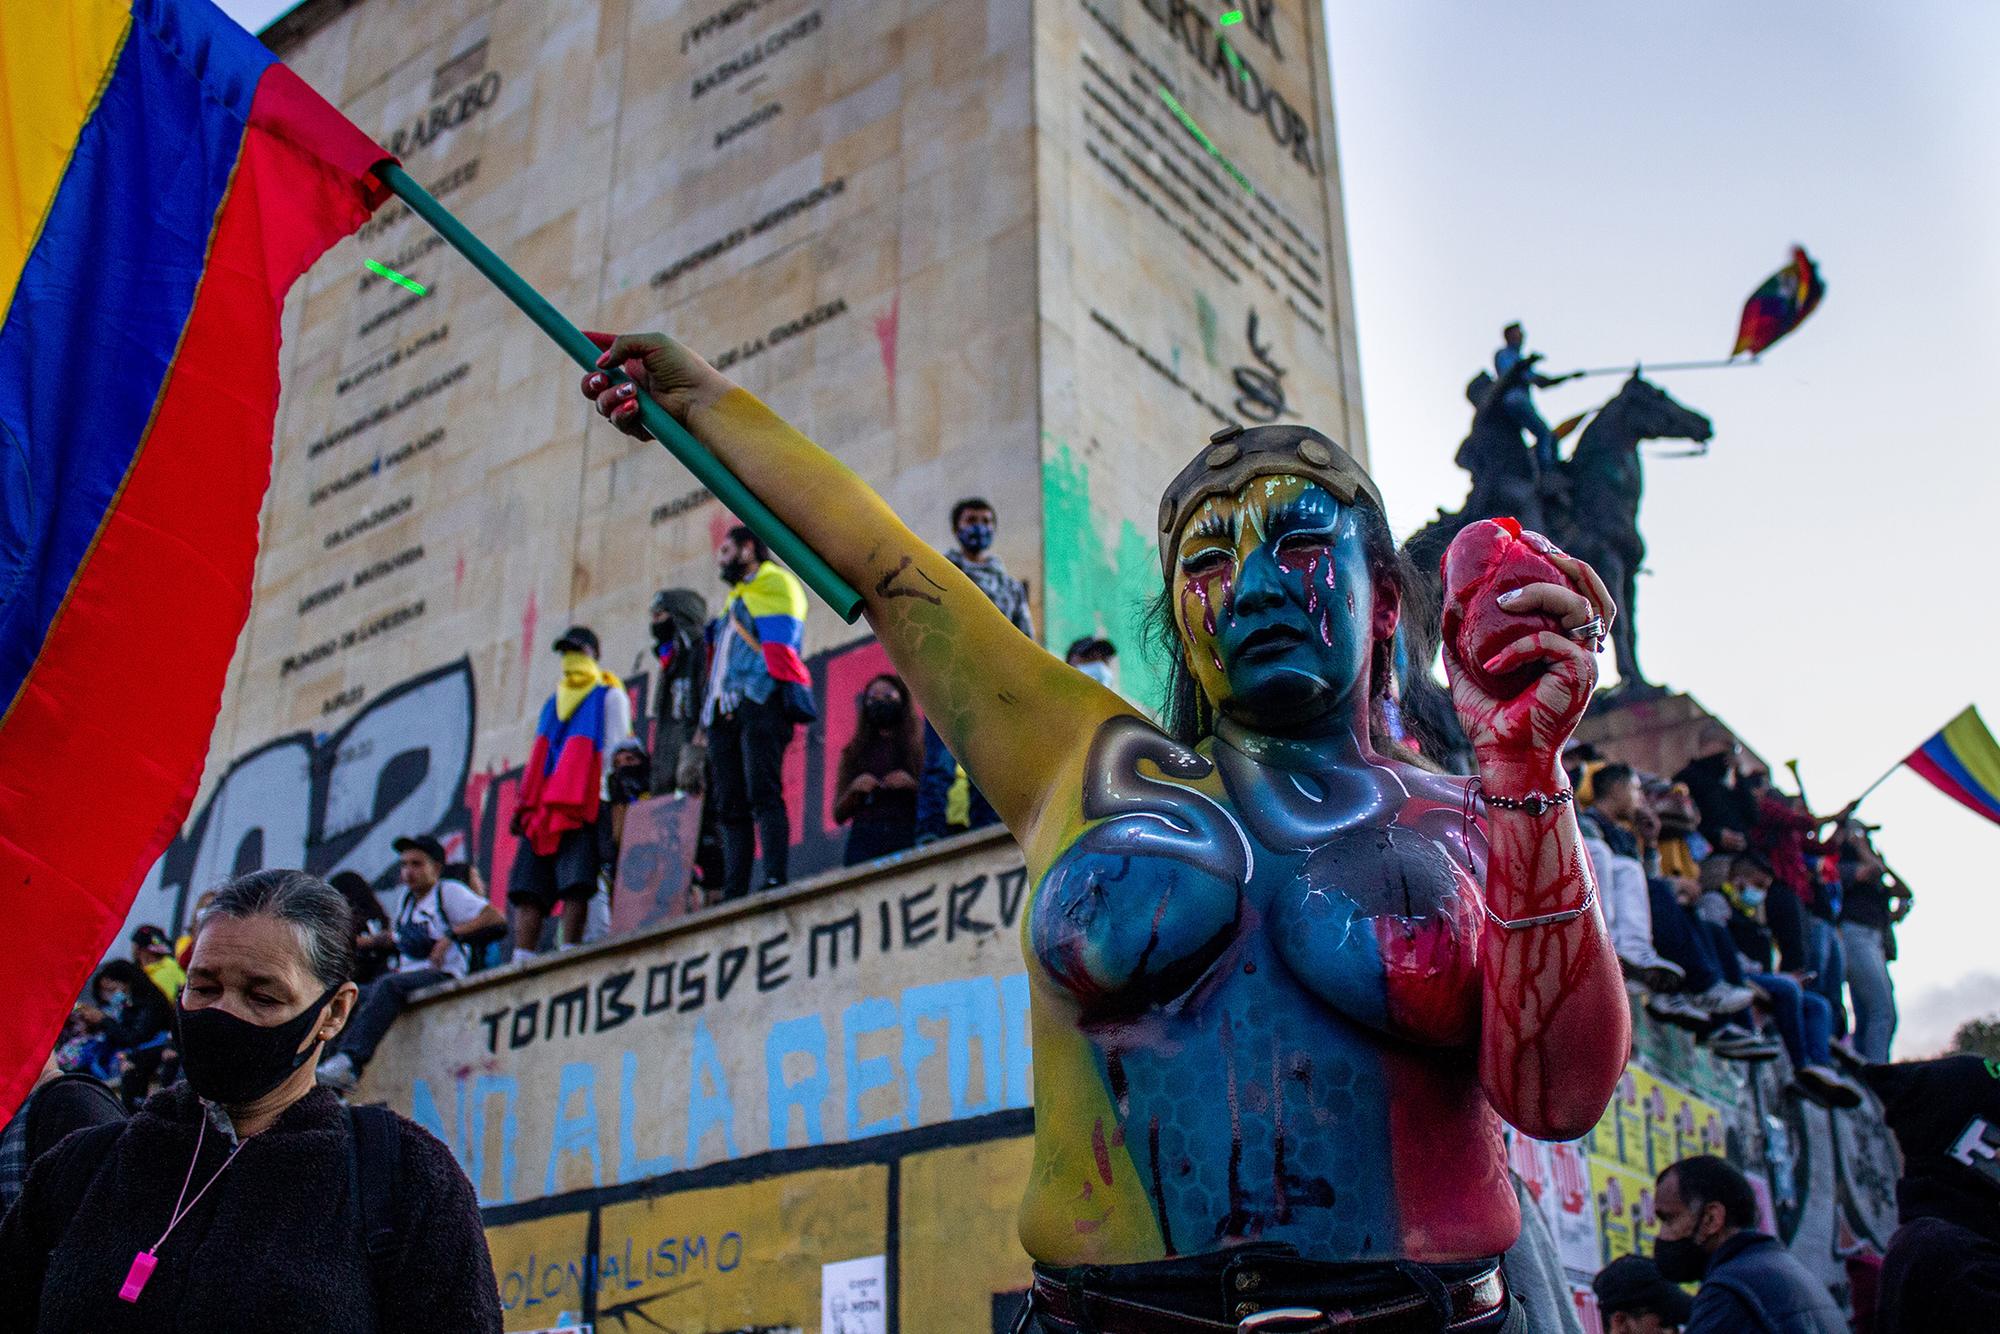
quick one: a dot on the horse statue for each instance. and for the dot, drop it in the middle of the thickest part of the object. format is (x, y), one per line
(1597, 518)
(1504, 479)
(1589, 507)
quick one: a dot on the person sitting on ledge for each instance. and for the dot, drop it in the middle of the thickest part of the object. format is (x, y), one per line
(1285, 982)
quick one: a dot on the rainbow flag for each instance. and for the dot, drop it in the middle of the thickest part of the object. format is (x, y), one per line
(1780, 305)
(164, 180)
(1963, 762)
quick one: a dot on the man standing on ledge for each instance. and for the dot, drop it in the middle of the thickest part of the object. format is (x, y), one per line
(758, 692)
(562, 791)
(1518, 402)
(972, 523)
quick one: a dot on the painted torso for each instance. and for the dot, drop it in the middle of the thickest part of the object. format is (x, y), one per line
(1271, 967)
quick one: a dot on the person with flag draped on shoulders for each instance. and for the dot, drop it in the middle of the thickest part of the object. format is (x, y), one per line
(562, 792)
(759, 691)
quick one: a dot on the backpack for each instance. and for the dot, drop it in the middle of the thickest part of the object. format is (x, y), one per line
(374, 1157)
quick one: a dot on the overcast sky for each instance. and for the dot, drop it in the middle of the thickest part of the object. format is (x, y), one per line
(1619, 178)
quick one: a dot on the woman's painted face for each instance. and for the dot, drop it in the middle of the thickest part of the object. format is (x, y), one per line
(1274, 601)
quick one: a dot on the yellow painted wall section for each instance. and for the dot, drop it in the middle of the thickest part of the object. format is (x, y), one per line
(540, 1266)
(736, 1257)
(959, 1240)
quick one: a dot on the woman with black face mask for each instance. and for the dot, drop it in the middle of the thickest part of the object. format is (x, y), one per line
(235, 1201)
(878, 773)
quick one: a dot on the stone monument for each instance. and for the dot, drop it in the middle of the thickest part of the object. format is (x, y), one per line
(1032, 252)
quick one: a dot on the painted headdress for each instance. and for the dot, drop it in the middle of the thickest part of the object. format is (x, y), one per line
(1234, 455)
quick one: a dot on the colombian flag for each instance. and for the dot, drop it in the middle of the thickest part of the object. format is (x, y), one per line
(1963, 762)
(771, 608)
(565, 769)
(1780, 305)
(162, 182)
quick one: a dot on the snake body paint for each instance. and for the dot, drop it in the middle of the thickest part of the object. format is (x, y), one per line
(1269, 1001)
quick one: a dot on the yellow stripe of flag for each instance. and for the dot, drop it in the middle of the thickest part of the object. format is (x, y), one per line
(55, 58)
(1974, 748)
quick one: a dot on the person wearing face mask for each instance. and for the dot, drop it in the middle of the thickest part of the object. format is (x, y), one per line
(134, 1019)
(877, 777)
(1750, 1284)
(240, 1199)
(1096, 659)
(562, 791)
(679, 619)
(973, 523)
(759, 691)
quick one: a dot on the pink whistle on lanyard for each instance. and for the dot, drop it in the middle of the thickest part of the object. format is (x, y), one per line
(136, 1276)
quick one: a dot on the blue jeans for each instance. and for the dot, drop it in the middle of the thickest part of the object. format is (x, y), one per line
(1521, 411)
(1829, 965)
(934, 790)
(1675, 935)
(1868, 983)
(1804, 1020)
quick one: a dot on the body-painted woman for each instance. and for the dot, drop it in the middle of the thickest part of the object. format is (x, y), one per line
(1282, 979)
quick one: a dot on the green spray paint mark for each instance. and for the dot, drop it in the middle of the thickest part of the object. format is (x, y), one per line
(1089, 587)
(1201, 137)
(1233, 16)
(1206, 321)
(385, 271)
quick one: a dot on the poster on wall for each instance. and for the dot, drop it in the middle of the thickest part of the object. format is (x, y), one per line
(853, 1296)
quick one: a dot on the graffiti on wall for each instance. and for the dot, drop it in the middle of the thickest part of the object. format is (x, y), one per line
(860, 1009)
(404, 764)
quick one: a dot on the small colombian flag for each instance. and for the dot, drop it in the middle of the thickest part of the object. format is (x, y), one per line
(1963, 762)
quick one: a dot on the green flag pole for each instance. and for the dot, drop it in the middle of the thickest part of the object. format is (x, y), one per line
(708, 469)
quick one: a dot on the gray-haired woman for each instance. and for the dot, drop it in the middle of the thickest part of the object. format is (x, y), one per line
(236, 1200)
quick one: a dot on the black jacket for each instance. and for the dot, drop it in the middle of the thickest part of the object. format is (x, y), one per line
(683, 683)
(274, 1246)
(1754, 1286)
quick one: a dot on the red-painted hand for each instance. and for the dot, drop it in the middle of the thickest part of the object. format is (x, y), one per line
(1518, 681)
(669, 373)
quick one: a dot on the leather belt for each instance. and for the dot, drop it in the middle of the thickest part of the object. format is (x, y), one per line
(1471, 1299)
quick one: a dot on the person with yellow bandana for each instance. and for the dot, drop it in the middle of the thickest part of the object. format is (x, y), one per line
(562, 788)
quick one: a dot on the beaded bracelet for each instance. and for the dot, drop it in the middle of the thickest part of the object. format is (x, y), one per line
(1535, 805)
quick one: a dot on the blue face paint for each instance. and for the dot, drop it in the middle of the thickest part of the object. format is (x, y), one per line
(1276, 599)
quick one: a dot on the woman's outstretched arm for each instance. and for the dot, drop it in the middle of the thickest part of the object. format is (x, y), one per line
(1017, 717)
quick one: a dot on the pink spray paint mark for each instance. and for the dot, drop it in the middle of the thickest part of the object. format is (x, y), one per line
(458, 572)
(528, 618)
(885, 334)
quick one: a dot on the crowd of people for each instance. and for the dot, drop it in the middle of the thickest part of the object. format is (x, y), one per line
(1740, 914)
(1735, 911)
(1941, 1270)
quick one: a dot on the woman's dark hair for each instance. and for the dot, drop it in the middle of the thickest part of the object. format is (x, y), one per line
(908, 738)
(362, 903)
(1188, 716)
(316, 912)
